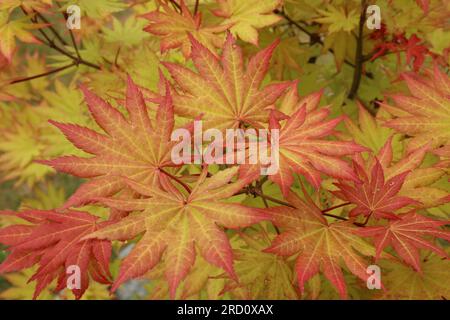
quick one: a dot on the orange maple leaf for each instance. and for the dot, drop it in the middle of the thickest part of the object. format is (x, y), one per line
(133, 147)
(52, 241)
(173, 222)
(425, 114)
(320, 245)
(303, 147)
(406, 236)
(223, 92)
(173, 29)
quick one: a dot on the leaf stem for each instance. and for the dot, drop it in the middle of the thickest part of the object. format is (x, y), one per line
(51, 28)
(196, 7)
(50, 43)
(311, 34)
(335, 207)
(176, 5)
(259, 193)
(359, 60)
(42, 74)
(184, 185)
(263, 197)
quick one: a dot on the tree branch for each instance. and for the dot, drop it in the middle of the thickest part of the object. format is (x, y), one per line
(184, 185)
(74, 43)
(359, 59)
(335, 207)
(51, 28)
(311, 34)
(50, 43)
(42, 74)
(196, 7)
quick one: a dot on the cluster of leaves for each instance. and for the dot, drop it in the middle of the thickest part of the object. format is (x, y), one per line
(364, 149)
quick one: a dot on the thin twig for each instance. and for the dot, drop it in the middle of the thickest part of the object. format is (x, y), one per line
(116, 58)
(50, 43)
(52, 29)
(42, 74)
(176, 5)
(263, 197)
(365, 221)
(184, 185)
(335, 207)
(196, 7)
(311, 34)
(359, 62)
(275, 200)
(72, 37)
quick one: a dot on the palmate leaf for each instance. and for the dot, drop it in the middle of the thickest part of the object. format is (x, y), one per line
(12, 29)
(203, 279)
(28, 5)
(261, 275)
(403, 282)
(320, 246)
(373, 195)
(406, 236)
(173, 222)
(173, 29)
(303, 147)
(133, 147)
(245, 17)
(425, 114)
(52, 241)
(223, 92)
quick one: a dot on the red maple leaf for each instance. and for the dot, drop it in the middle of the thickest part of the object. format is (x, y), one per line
(406, 236)
(321, 246)
(374, 195)
(172, 222)
(304, 143)
(52, 241)
(137, 147)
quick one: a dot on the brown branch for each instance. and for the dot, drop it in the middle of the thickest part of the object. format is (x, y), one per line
(184, 185)
(42, 74)
(275, 200)
(335, 207)
(311, 34)
(50, 43)
(196, 7)
(359, 61)
(51, 28)
(365, 221)
(72, 37)
(176, 5)
(263, 197)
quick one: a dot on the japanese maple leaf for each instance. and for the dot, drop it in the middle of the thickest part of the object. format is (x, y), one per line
(27, 5)
(261, 275)
(51, 240)
(416, 51)
(173, 222)
(319, 245)
(403, 282)
(223, 92)
(10, 29)
(245, 17)
(418, 184)
(133, 147)
(173, 29)
(424, 4)
(425, 114)
(444, 154)
(303, 147)
(406, 236)
(373, 195)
